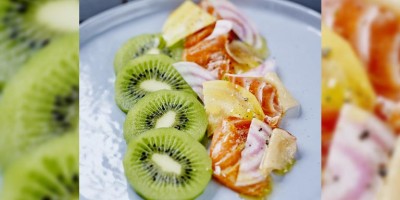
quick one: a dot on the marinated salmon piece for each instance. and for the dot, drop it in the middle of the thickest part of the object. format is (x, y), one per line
(226, 148)
(266, 94)
(211, 55)
(223, 99)
(273, 97)
(374, 33)
(199, 36)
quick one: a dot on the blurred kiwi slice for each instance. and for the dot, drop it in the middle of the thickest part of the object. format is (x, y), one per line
(145, 44)
(42, 100)
(144, 75)
(29, 25)
(49, 172)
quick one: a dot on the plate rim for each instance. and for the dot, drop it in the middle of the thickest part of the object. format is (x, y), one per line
(86, 27)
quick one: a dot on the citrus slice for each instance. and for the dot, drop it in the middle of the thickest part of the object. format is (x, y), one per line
(343, 76)
(280, 152)
(181, 24)
(223, 99)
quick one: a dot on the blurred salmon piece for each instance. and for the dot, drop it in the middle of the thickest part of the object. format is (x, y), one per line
(226, 148)
(389, 111)
(374, 33)
(199, 36)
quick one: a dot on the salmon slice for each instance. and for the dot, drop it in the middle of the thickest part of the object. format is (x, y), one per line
(265, 93)
(211, 55)
(199, 36)
(226, 148)
(374, 33)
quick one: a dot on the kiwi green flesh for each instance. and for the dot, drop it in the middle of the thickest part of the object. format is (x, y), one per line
(166, 163)
(144, 75)
(142, 45)
(175, 51)
(50, 171)
(165, 108)
(21, 34)
(42, 100)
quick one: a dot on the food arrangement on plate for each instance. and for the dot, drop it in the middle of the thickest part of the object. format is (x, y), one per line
(360, 99)
(207, 76)
(39, 103)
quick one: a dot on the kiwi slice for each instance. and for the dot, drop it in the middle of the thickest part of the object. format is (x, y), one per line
(29, 25)
(49, 172)
(144, 75)
(145, 44)
(165, 163)
(41, 100)
(166, 108)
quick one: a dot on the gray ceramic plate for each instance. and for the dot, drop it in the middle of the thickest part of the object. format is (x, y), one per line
(293, 34)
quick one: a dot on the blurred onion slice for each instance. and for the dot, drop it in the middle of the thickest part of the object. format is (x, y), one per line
(268, 65)
(222, 27)
(358, 158)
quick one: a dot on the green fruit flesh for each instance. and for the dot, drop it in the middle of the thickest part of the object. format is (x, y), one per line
(49, 172)
(29, 25)
(165, 108)
(42, 100)
(144, 75)
(142, 45)
(167, 164)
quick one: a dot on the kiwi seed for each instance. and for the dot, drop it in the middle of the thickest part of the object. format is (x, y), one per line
(144, 75)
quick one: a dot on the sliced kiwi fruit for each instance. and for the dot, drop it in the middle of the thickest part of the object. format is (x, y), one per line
(42, 100)
(165, 163)
(145, 44)
(144, 75)
(29, 25)
(166, 108)
(51, 171)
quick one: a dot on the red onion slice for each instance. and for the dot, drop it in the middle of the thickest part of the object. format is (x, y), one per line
(195, 75)
(252, 155)
(242, 26)
(222, 27)
(268, 65)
